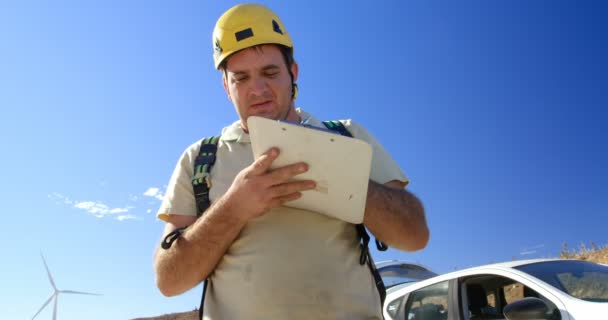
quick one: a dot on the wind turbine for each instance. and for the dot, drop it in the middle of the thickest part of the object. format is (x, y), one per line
(56, 293)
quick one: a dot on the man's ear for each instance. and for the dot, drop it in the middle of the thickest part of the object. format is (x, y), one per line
(225, 84)
(294, 71)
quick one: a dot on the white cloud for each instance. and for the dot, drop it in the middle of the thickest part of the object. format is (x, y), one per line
(531, 250)
(99, 209)
(538, 246)
(119, 210)
(151, 192)
(155, 193)
(126, 217)
(59, 198)
(526, 253)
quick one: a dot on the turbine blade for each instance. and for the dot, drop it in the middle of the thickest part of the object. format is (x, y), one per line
(55, 308)
(79, 292)
(44, 305)
(48, 272)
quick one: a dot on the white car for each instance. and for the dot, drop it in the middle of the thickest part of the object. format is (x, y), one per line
(529, 289)
(395, 272)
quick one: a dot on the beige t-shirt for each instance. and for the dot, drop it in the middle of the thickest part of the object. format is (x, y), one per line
(288, 263)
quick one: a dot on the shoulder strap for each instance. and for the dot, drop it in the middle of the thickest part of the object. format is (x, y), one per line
(201, 185)
(202, 166)
(365, 257)
(338, 127)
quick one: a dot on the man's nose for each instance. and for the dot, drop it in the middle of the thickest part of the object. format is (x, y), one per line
(259, 86)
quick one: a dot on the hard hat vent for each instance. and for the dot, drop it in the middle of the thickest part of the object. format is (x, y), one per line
(276, 28)
(243, 34)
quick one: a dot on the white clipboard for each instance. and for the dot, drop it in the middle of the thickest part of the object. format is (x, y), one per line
(339, 165)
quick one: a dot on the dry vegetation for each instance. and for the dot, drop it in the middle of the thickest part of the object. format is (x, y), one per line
(593, 253)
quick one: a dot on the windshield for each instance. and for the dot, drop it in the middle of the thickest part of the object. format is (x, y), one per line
(580, 279)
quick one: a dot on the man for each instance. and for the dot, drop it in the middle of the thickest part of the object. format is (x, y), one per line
(265, 260)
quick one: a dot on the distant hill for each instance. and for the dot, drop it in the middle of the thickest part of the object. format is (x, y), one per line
(594, 254)
(189, 315)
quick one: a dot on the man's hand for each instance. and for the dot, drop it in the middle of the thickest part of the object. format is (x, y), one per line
(256, 189)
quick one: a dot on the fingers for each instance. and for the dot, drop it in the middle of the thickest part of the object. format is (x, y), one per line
(285, 189)
(281, 175)
(262, 164)
(277, 202)
(271, 188)
(280, 194)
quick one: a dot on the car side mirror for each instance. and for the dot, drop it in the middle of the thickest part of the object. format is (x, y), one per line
(526, 309)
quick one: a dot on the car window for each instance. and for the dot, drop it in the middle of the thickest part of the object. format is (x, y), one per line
(481, 299)
(587, 286)
(580, 279)
(428, 303)
(487, 296)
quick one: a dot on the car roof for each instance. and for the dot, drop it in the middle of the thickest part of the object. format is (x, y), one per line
(395, 272)
(496, 266)
(406, 265)
(514, 263)
(508, 265)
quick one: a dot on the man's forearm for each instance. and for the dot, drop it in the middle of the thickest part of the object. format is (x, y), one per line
(194, 255)
(396, 217)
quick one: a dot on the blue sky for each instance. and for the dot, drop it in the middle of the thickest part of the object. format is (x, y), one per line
(495, 110)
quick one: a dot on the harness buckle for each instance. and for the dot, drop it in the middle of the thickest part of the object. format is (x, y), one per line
(207, 180)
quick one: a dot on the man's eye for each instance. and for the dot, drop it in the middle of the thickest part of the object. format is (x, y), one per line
(241, 79)
(271, 74)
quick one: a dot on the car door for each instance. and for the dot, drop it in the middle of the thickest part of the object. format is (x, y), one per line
(484, 296)
(427, 303)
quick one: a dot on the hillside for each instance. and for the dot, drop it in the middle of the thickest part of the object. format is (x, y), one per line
(188, 315)
(594, 254)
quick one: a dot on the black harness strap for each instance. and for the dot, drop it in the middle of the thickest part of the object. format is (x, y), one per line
(202, 166)
(201, 185)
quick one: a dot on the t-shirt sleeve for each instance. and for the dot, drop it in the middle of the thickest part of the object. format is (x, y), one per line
(384, 168)
(179, 196)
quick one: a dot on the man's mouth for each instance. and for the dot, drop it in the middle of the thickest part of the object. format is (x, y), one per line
(261, 105)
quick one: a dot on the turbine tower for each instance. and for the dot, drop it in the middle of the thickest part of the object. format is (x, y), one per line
(56, 293)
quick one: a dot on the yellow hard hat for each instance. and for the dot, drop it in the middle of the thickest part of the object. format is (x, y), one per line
(244, 26)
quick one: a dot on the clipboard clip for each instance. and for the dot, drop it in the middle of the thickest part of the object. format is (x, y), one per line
(304, 123)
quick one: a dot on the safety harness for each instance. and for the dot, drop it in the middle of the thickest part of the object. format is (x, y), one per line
(201, 183)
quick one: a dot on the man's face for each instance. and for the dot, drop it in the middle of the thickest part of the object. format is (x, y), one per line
(258, 83)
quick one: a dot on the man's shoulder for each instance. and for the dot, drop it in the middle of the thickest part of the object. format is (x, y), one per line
(216, 138)
(353, 127)
(349, 122)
